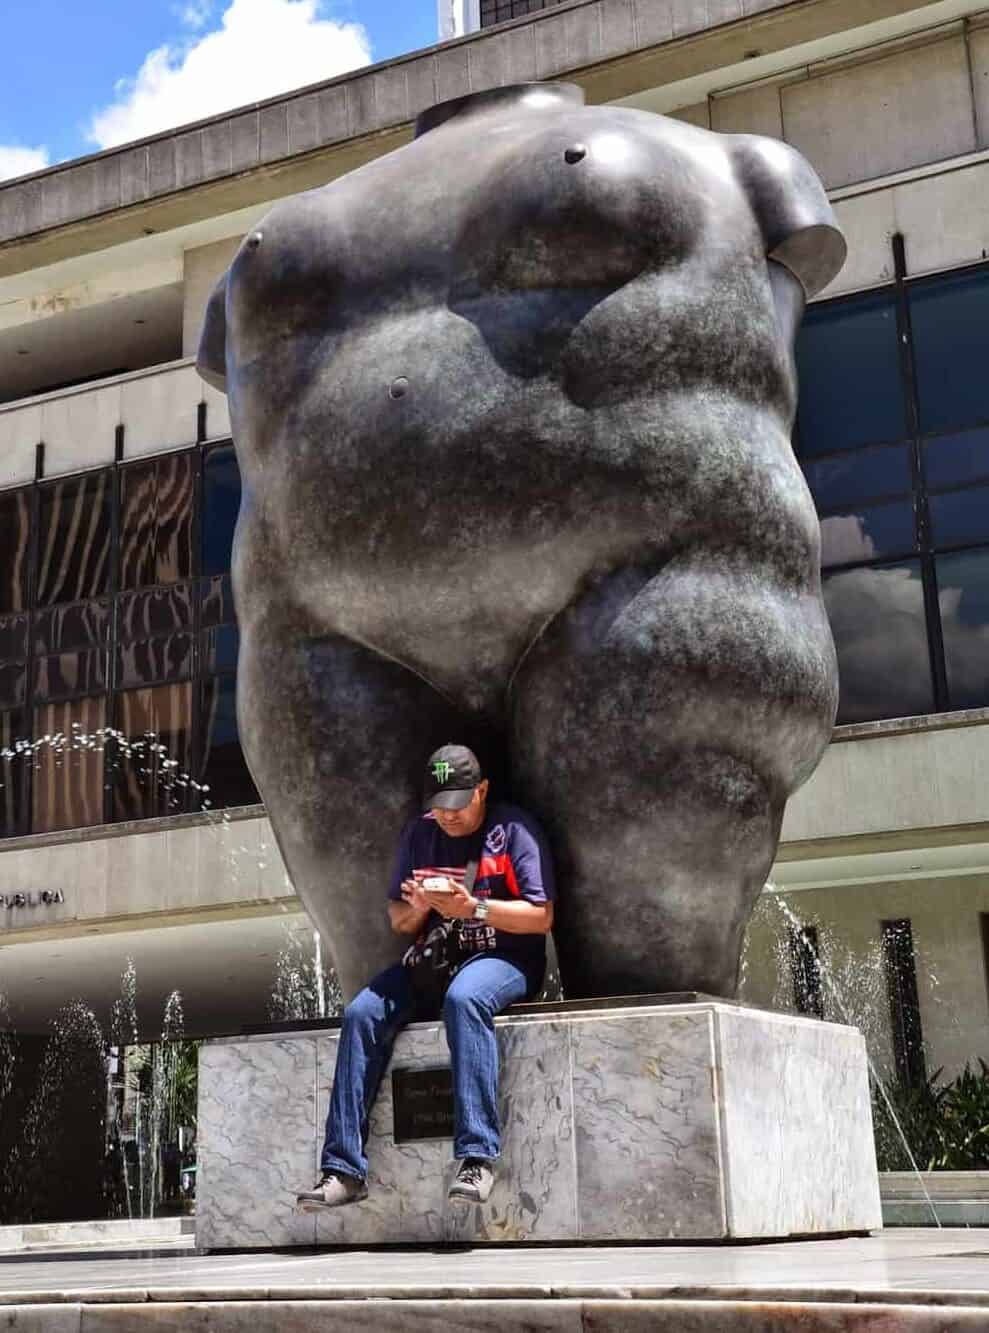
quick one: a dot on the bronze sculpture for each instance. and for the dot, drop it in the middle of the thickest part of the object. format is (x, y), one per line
(512, 406)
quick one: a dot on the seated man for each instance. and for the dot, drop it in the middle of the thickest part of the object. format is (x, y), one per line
(501, 922)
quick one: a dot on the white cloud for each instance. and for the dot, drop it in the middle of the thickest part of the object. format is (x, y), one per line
(261, 48)
(16, 161)
(196, 13)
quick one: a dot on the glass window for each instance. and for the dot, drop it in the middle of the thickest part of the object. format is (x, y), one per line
(218, 601)
(65, 674)
(13, 684)
(67, 783)
(221, 503)
(151, 764)
(63, 629)
(866, 474)
(140, 615)
(224, 768)
(951, 349)
(851, 389)
(952, 460)
(156, 527)
(74, 539)
(960, 517)
(151, 660)
(15, 512)
(877, 618)
(15, 761)
(963, 595)
(13, 638)
(220, 647)
(882, 530)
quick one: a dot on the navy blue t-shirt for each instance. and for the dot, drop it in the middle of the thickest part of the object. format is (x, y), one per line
(513, 862)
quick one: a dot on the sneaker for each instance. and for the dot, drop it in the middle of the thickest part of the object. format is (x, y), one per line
(473, 1181)
(331, 1191)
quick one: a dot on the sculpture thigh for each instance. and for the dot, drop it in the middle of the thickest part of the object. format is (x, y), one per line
(335, 737)
(658, 727)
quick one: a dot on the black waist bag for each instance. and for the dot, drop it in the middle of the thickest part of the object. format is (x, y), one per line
(435, 958)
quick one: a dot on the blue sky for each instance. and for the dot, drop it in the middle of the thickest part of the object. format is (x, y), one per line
(81, 75)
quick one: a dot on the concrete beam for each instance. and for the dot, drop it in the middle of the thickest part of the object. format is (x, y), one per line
(613, 48)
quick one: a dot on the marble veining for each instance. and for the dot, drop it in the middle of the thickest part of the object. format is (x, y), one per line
(257, 1111)
(811, 1084)
(648, 1148)
(694, 1121)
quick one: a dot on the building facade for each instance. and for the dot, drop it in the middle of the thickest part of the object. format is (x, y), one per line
(129, 823)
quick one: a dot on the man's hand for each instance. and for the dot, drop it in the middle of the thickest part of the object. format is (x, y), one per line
(413, 894)
(457, 906)
(409, 916)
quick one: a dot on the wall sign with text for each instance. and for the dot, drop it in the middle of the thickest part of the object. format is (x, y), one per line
(31, 898)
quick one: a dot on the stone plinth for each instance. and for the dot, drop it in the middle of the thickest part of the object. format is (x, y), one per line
(698, 1121)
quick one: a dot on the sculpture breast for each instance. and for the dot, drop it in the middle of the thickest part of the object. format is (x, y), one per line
(512, 406)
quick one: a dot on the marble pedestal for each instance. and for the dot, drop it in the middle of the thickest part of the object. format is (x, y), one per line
(652, 1122)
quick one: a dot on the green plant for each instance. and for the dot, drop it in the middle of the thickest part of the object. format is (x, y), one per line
(945, 1124)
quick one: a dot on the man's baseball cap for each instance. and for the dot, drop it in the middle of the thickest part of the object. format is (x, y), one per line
(452, 773)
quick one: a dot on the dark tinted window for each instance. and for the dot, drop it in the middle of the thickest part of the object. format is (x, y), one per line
(950, 318)
(151, 768)
(14, 764)
(13, 638)
(952, 460)
(224, 768)
(149, 661)
(960, 517)
(221, 502)
(963, 593)
(877, 617)
(15, 511)
(882, 530)
(156, 520)
(63, 629)
(851, 389)
(74, 539)
(67, 782)
(864, 474)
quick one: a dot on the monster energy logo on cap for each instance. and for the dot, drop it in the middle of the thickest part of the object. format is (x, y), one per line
(452, 774)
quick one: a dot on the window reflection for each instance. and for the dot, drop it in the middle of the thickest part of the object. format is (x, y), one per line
(866, 474)
(14, 764)
(67, 781)
(15, 510)
(141, 615)
(960, 517)
(882, 530)
(69, 673)
(851, 389)
(156, 527)
(151, 660)
(224, 767)
(151, 766)
(963, 595)
(951, 348)
(877, 618)
(74, 539)
(221, 503)
(66, 628)
(951, 460)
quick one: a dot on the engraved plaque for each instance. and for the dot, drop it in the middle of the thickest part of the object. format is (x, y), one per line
(423, 1104)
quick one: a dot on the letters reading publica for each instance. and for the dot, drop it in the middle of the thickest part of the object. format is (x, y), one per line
(44, 898)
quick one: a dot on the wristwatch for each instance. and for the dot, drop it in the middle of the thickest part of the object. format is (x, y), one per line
(481, 909)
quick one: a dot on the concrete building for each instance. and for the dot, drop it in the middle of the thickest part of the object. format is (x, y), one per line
(118, 490)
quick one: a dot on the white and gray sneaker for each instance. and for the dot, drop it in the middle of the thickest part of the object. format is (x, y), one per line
(473, 1181)
(331, 1191)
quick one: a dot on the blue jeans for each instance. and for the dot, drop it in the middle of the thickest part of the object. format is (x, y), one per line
(482, 988)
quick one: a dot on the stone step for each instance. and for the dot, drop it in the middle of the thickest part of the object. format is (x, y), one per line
(599, 1315)
(126, 1232)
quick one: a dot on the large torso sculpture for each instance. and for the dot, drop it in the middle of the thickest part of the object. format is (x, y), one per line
(513, 407)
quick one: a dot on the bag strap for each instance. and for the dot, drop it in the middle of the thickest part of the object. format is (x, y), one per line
(470, 873)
